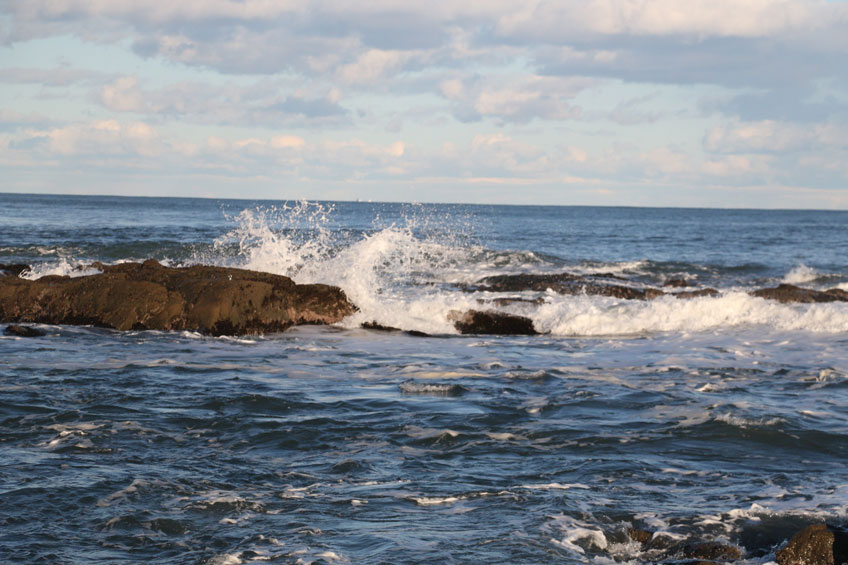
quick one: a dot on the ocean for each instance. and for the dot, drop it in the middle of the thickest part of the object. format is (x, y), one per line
(713, 419)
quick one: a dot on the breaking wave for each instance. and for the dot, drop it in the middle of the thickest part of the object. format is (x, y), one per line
(411, 274)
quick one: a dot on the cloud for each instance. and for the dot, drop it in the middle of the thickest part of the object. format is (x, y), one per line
(97, 138)
(514, 98)
(770, 136)
(262, 104)
(53, 77)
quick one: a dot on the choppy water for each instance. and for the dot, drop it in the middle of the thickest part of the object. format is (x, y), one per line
(719, 418)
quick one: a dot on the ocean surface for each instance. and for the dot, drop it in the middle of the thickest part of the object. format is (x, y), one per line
(718, 418)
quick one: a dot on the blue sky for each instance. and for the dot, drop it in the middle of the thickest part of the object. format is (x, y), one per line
(723, 103)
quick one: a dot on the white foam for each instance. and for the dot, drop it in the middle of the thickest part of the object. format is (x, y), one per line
(435, 500)
(800, 275)
(62, 267)
(597, 316)
(555, 486)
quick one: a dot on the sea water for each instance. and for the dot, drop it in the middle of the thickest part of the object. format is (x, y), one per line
(719, 418)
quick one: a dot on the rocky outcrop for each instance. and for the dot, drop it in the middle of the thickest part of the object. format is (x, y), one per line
(491, 323)
(817, 544)
(210, 300)
(790, 293)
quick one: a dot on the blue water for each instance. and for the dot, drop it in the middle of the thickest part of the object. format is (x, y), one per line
(719, 418)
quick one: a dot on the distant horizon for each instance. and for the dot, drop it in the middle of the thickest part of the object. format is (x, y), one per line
(434, 203)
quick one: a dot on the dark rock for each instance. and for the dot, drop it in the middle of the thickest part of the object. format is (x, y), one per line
(168, 526)
(508, 301)
(491, 323)
(13, 269)
(640, 536)
(818, 544)
(676, 283)
(839, 293)
(525, 281)
(711, 550)
(23, 331)
(565, 283)
(790, 293)
(374, 326)
(211, 300)
(696, 293)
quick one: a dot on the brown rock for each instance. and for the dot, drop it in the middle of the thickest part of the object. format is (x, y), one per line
(23, 331)
(491, 323)
(839, 293)
(696, 293)
(676, 283)
(640, 536)
(817, 544)
(790, 293)
(212, 300)
(711, 550)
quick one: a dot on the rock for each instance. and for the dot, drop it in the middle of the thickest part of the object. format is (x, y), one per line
(640, 536)
(676, 283)
(790, 293)
(13, 269)
(23, 331)
(491, 323)
(818, 544)
(696, 293)
(210, 300)
(374, 326)
(712, 551)
(508, 301)
(839, 293)
(566, 283)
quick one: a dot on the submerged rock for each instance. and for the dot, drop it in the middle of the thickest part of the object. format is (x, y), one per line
(567, 283)
(491, 323)
(695, 293)
(23, 331)
(149, 296)
(790, 293)
(712, 551)
(818, 544)
(377, 327)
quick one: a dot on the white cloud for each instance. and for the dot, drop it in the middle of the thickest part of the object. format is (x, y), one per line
(100, 137)
(771, 136)
(374, 64)
(514, 98)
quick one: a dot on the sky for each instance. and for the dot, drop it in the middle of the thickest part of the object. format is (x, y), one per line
(713, 103)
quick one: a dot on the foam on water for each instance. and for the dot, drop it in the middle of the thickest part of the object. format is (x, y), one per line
(595, 316)
(60, 267)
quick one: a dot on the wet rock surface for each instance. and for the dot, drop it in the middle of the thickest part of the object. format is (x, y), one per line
(818, 544)
(149, 296)
(23, 331)
(790, 293)
(13, 269)
(377, 327)
(601, 284)
(490, 322)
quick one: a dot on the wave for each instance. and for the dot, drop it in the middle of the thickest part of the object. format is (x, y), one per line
(411, 272)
